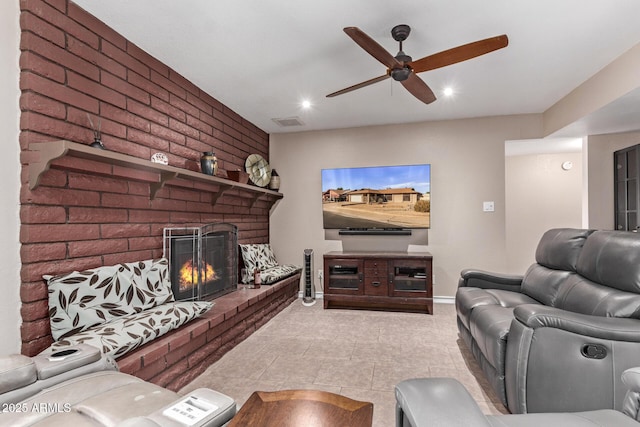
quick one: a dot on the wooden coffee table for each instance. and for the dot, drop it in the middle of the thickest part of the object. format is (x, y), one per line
(302, 408)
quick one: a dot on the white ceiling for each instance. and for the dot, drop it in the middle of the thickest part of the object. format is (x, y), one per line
(261, 58)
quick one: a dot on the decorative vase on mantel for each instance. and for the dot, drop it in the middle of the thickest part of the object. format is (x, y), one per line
(97, 134)
(274, 183)
(97, 143)
(209, 163)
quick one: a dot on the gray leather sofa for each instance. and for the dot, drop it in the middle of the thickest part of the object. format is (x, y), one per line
(444, 402)
(84, 388)
(558, 338)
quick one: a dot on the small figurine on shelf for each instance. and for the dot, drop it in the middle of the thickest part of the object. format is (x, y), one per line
(160, 158)
(97, 143)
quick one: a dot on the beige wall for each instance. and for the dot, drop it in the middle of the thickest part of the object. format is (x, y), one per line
(618, 78)
(10, 178)
(539, 195)
(467, 158)
(600, 152)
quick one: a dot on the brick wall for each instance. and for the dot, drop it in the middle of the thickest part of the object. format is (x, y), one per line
(87, 214)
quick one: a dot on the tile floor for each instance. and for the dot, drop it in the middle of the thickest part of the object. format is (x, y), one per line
(359, 354)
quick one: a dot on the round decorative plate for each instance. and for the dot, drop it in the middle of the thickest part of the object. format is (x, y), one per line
(258, 169)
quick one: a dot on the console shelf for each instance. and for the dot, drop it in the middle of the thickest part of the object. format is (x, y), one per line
(398, 281)
(51, 151)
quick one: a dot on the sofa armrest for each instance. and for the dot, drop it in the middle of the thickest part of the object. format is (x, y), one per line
(609, 328)
(51, 362)
(50, 368)
(436, 402)
(489, 280)
(631, 378)
(18, 371)
(631, 405)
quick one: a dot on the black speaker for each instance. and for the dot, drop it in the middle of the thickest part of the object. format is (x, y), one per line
(309, 297)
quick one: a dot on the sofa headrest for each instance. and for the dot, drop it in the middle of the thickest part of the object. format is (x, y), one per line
(612, 258)
(16, 371)
(559, 248)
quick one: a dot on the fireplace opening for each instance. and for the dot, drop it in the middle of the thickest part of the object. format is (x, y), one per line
(202, 260)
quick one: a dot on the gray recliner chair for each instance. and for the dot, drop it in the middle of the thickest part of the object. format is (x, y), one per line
(444, 402)
(81, 387)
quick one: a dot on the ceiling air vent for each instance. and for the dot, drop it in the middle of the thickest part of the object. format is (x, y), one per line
(289, 121)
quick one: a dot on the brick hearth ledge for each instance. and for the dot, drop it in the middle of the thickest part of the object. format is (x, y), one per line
(175, 359)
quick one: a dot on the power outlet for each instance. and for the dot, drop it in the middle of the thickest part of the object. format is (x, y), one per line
(320, 275)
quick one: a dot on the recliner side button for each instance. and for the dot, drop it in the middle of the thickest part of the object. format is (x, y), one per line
(594, 351)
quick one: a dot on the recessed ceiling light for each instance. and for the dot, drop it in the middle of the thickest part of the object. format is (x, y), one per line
(306, 104)
(448, 91)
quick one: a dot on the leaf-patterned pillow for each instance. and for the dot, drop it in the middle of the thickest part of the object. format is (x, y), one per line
(127, 333)
(82, 299)
(275, 274)
(258, 256)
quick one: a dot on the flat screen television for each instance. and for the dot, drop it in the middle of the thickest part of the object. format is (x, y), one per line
(377, 198)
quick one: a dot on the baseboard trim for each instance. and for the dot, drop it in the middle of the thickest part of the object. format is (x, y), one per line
(319, 294)
(437, 300)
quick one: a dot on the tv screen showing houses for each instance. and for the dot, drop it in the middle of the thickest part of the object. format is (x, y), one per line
(377, 197)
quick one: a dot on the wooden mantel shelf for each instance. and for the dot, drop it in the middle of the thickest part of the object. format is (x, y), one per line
(50, 151)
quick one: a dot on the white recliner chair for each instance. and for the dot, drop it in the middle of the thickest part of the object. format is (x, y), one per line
(81, 387)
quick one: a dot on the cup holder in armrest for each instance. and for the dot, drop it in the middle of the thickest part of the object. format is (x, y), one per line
(63, 353)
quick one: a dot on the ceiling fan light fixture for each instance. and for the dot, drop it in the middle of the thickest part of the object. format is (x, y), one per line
(400, 74)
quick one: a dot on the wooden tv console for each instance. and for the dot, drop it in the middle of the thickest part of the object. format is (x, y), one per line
(396, 281)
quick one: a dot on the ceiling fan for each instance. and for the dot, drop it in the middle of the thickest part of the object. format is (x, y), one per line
(404, 69)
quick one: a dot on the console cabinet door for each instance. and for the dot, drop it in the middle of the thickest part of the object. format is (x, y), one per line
(344, 276)
(410, 278)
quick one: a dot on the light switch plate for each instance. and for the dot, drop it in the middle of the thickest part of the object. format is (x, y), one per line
(488, 206)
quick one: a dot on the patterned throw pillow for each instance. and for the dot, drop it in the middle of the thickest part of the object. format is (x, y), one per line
(258, 256)
(127, 333)
(275, 274)
(82, 299)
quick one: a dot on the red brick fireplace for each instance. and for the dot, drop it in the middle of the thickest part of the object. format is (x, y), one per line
(84, 214)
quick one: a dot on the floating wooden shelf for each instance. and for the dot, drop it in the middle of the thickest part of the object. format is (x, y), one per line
(50, 151)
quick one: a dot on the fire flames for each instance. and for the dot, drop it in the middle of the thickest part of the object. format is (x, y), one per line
(189, 275)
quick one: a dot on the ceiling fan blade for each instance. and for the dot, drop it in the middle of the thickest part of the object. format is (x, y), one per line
(459, 54)
(359, 85)
(372, 47)
(419, 88)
